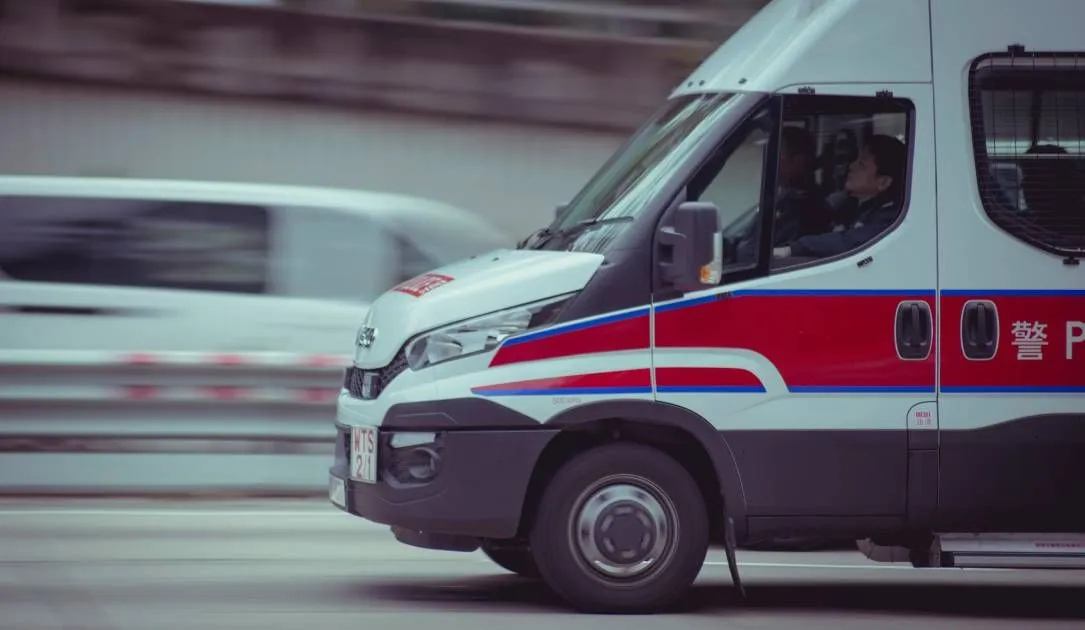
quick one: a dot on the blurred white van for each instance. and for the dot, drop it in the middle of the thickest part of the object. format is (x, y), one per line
(138, 265)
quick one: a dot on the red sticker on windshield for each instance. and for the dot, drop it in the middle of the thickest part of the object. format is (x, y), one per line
(423, 284)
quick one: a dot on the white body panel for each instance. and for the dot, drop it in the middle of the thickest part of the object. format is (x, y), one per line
(980, 260)
(814, 42)
(1003, 264)
(480, 285)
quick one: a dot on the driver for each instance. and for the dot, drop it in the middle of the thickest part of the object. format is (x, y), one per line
(799, 208)
(874, 184)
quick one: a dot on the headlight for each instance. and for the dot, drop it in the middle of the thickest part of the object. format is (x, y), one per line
(481, 334)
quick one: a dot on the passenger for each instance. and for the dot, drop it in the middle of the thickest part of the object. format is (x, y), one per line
(874, 185)
(799, 208)
(1053, 191)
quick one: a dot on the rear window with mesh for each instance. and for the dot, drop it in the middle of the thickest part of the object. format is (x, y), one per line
(1028, 122)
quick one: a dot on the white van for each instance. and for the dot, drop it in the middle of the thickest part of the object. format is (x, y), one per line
(832, 288)
(139, 266)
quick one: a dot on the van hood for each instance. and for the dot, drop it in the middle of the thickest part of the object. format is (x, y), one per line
(475, 286)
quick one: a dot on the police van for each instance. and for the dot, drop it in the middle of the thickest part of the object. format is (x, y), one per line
(833, 287)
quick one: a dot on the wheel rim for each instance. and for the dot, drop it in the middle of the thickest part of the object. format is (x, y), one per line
(624, 528)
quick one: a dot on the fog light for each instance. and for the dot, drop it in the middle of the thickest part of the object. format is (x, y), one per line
(421, 463)
(412, 458)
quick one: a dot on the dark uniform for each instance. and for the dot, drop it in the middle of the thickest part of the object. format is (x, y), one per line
(798, 211)
(871, 218)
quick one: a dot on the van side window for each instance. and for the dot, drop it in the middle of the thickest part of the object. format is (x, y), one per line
(838, 181)
(732, 180)
(1028, 121)
(842, 175)
(135, 243)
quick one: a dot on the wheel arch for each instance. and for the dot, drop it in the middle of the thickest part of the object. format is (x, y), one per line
(671, 428)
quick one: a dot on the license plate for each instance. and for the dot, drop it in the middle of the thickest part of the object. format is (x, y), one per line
(337, 491)
(363, 454)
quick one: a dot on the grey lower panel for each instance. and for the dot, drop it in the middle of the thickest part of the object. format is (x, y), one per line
(822, 473)
(479, 491)
(1019, 476)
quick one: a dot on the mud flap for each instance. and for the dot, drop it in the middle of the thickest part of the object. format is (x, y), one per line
(729, 549)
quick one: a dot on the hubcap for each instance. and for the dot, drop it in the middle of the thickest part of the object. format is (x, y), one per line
(624, 527)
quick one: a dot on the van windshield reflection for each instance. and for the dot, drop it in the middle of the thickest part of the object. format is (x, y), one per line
(621, 189)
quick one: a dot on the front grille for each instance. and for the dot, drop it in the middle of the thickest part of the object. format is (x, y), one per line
(354, 379)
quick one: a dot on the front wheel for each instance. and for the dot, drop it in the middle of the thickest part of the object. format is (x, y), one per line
(622, 528)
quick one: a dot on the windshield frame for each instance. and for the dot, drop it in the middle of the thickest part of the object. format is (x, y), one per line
(650, 163)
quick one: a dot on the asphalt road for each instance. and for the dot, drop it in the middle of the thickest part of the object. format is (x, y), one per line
(306, 566)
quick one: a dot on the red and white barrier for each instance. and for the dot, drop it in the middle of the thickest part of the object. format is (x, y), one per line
(224, 394)
(124, 422)
(96, 358)
(166, 377)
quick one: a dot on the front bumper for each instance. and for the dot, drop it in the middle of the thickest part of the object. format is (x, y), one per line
(477, 490)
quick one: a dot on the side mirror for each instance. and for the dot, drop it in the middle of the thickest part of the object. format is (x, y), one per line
(686, 246)
(558, 210)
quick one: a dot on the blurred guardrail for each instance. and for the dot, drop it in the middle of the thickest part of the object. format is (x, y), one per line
(585, 62)
(112, 423)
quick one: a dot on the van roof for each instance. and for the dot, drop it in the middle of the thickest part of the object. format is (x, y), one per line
(790, 44)
(386, 206)
(793, 43)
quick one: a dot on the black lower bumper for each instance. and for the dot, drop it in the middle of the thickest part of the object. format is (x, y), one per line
(477, 492)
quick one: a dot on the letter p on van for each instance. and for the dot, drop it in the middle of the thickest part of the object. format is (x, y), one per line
(1075, 333)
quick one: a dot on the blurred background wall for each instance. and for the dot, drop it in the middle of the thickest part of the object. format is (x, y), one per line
(503, 107)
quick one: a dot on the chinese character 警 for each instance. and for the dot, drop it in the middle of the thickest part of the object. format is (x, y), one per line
(1030, 339)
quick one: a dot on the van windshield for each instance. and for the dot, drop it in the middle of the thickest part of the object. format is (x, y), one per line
(620, 190)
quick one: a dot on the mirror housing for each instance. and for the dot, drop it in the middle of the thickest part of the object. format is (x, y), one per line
(685, 246)
(558, 210)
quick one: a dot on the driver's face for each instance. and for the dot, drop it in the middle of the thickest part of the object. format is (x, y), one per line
(863, 178)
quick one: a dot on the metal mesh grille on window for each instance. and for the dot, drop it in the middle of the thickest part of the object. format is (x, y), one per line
(1028, 123)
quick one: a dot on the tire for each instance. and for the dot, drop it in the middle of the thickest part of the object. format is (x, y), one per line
(648, 475)
(516, 560)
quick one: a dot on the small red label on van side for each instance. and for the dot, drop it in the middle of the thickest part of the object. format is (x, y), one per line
(423, 284)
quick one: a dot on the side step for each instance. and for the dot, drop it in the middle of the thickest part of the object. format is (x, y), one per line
(990, 551)
(1021, 551)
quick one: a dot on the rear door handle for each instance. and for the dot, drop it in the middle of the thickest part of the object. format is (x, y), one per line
(914, 330)
(979, 329)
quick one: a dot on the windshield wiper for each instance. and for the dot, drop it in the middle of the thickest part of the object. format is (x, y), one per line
(544, 235)
(582, 226)
(537, 235)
